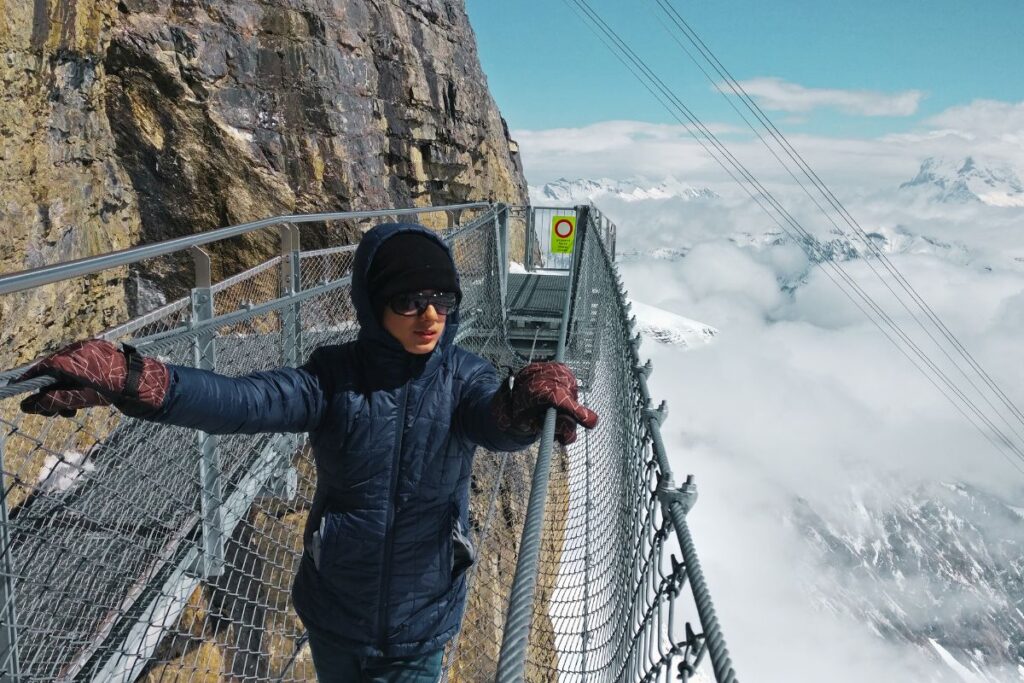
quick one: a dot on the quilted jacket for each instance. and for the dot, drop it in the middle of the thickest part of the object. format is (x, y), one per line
(393, 436)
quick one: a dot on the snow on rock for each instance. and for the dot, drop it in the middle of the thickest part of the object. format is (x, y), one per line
(949, 660)
(967, 180)
(516, 267)
(565, 191)
(62, 473)
(668, 328)
(939, 563)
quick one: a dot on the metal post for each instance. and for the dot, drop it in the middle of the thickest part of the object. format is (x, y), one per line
(528, 255)
(10, 668)
(512, 658)
(501, 218)
(211, 490)
(291, 283)
(291, 345)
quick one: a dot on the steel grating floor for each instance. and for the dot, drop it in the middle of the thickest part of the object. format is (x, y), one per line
(534, 295)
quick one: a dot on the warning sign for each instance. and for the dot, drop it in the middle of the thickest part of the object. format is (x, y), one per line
(563, 234)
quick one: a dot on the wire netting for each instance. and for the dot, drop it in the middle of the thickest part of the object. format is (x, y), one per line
(137, 551)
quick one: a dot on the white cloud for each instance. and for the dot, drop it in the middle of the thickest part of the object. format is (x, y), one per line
(622, 149)
(800, 396)
(983, 118)
(776, 94)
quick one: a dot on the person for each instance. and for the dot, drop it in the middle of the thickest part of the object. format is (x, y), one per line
(393, 417)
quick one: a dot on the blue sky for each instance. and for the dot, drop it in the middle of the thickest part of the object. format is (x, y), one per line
(547, 71)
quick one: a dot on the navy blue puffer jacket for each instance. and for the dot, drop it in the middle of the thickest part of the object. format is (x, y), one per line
(393, 436)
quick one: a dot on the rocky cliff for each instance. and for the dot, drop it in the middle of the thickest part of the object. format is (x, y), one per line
(131, 121)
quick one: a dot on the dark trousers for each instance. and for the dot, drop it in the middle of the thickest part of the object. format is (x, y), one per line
(337, 666)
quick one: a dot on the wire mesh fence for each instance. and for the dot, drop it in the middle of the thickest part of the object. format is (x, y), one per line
(137, 551)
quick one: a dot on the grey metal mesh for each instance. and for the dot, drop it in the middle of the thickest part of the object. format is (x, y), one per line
(136, 551)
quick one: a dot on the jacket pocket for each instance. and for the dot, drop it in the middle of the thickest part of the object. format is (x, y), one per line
(463, 552)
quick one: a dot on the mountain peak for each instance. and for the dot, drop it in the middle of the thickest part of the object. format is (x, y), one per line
(637, 188)
(968, 180)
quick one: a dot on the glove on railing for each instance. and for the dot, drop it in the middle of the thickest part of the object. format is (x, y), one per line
(97, 373)
(519, 405)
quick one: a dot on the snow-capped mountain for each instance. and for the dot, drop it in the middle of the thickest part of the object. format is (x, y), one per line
(668, 328)
(968, 180)
(565, 191)
(942, 568)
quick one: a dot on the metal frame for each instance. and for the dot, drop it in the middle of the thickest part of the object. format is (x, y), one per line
(45, 275)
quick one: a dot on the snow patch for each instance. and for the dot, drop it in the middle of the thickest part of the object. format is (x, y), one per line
(566, 191)
(668, 328)
(949, 660)
(62, 472)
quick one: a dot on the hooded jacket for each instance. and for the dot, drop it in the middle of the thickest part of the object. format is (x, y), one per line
(393, 436)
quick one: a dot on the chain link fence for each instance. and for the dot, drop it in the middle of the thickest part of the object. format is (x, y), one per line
(135, 551)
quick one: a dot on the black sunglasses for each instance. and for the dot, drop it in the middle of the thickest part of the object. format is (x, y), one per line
(416, 303)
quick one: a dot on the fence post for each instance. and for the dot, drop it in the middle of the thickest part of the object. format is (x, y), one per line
(285, 483)
(291, 283)
(501, 216)
(205, 357)
(530, 237)
(10, 669)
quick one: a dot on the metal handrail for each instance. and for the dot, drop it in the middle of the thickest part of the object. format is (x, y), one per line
(45, 275)
(512, 656)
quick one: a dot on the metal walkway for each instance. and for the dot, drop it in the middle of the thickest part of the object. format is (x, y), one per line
(135, 551)
(535, 302)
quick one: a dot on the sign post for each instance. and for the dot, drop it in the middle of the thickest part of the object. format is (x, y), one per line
(563, 234)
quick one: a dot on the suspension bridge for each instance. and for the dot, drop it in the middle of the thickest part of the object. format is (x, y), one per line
(136, 551)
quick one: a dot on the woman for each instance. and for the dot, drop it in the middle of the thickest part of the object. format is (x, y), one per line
(393, 417)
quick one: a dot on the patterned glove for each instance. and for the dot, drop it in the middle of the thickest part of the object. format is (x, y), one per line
(97, 373)
(536, 388)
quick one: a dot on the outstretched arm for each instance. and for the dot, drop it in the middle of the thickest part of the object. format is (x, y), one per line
(477, 417)
(96, 372)
(284, 400)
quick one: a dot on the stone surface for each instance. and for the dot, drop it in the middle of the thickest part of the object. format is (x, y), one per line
(140, 120)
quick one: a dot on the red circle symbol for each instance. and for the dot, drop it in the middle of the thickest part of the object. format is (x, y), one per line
(563, 228)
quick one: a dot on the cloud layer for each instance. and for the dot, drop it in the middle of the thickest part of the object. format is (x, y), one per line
(621, 149)
(800, 397)
(775, 94)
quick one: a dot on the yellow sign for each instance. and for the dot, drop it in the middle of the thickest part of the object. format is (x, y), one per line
(563, 234)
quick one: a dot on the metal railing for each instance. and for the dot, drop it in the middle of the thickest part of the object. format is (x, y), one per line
(134, 550)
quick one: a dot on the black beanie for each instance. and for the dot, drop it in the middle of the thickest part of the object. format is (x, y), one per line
(409, 262)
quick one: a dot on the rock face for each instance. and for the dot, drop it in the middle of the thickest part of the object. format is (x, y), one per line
(132, 121)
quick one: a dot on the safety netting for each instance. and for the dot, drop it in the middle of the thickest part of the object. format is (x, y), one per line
(137, 551)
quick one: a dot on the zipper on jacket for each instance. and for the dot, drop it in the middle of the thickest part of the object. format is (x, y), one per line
(388, 538)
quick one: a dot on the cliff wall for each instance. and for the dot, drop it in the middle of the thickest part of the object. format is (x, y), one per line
(132, 121)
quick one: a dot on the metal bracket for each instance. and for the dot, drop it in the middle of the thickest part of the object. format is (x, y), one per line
(657, 414)
(646, 369)
(686, 495)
